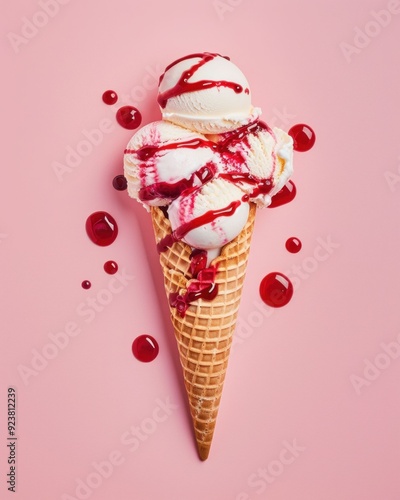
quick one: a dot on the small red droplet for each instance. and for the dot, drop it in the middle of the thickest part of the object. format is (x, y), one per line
(276, 289)
(86, 284)
(120, 183)
(129, 117)
(285, 195)
(145, 348)
(303, 137)
(110, 97)
(293, 245)
(101, 228)
(110, 267)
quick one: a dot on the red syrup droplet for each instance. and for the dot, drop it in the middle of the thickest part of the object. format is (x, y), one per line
(276, 289)
(120, 183)
(293, 245)
(197, 290)
(110, 267)
(145, 348)
(129, 117)
(101, 228)
(110, 97)
(198, 262)
(86, 284)
(285, 195)
(303, 137)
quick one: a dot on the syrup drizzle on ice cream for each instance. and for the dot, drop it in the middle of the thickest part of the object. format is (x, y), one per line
(183, 85)
(235, 171)
(210, 216)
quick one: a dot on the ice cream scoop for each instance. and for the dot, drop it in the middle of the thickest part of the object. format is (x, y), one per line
(258, 159)
(206, 93)
(162, 160)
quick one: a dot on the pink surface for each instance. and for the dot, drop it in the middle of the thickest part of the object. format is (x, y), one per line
(311, 402)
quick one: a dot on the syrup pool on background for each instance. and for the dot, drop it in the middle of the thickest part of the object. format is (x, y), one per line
(129, 117)
(101, 228)
(285, 195)
(110, 97)
(303, 137)
(120, 183)
(145, 348)
(110, 267)
(276, 290)
(293, 245)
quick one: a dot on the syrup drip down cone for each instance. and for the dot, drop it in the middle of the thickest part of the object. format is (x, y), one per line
(204, 333)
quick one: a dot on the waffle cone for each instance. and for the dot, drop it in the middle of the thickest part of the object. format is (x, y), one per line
(204, 334)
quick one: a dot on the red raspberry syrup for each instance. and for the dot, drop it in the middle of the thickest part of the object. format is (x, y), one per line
(110, 97)
(183, 85)
(293, 245)
(202, 286)
(120, 183)
(129, 117)
(303, 137)
(276, 290)
(110, 267)
(145, 348)
(101, 228)
(285, 195)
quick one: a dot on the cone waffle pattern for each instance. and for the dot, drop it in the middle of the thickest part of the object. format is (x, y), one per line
(204, 334)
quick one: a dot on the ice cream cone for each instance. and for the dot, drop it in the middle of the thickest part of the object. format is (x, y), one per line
(204, 333)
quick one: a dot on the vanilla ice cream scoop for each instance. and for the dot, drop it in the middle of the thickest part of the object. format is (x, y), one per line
(162, 160)
(258, 159)
(211, 216)
(206, 93)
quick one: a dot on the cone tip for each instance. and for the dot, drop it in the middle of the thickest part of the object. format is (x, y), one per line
(203, 450)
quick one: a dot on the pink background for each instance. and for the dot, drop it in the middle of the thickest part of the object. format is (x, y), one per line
(302, 375)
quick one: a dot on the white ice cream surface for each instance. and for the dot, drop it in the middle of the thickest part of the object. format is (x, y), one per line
(165, 165)
(215, 195)
(209, 110)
